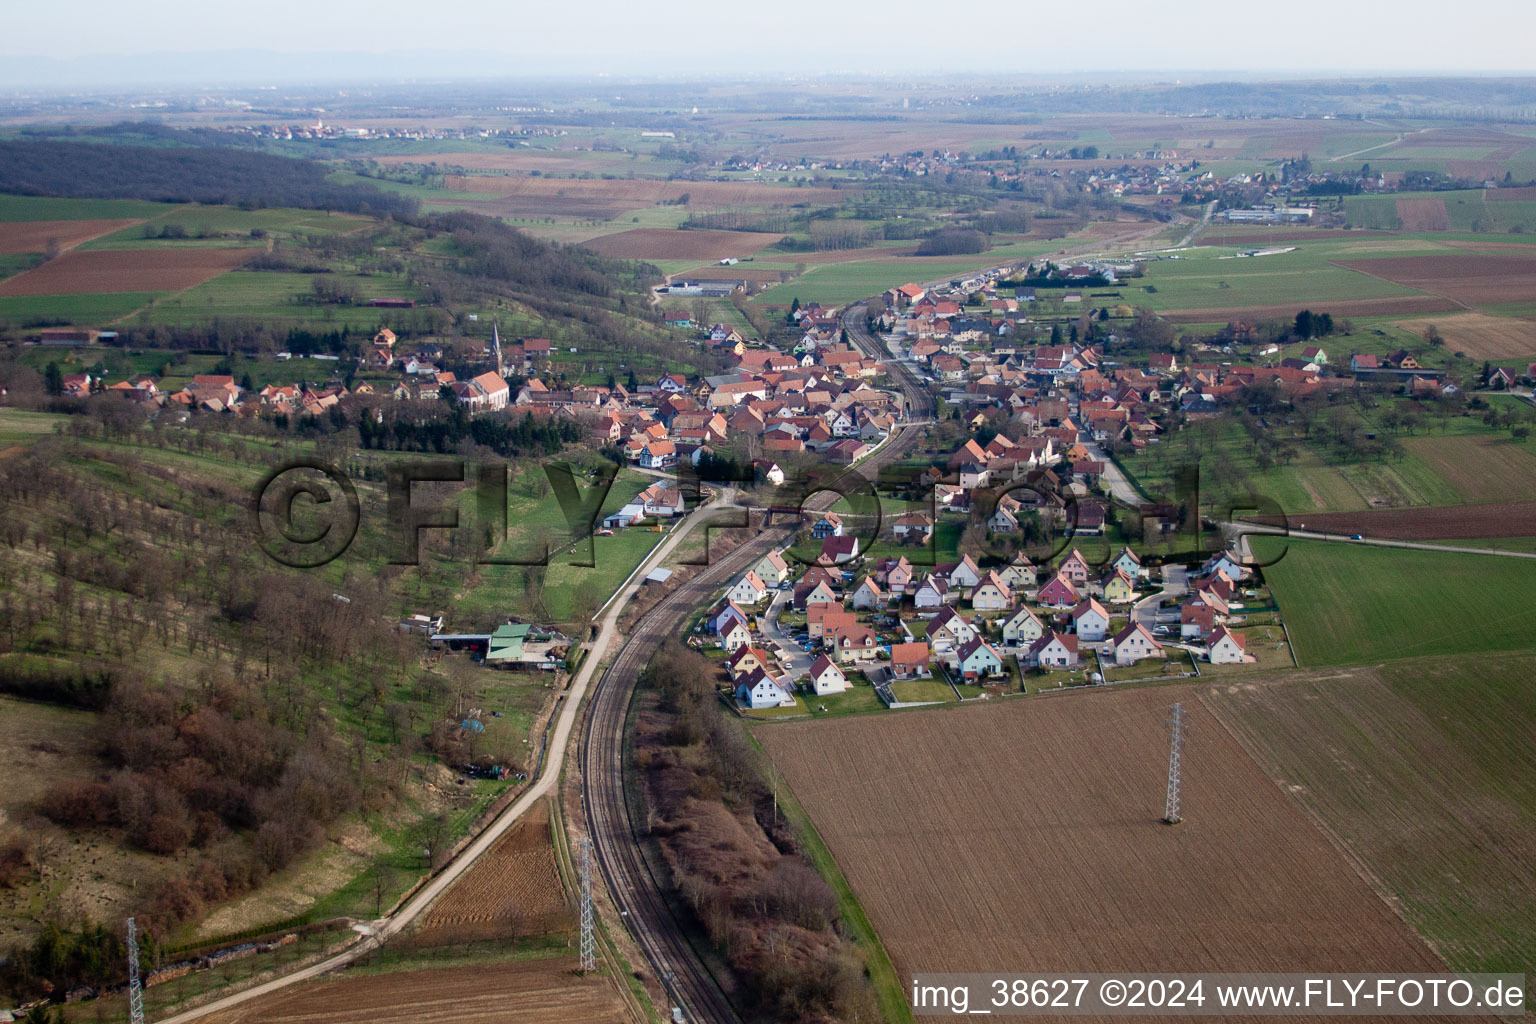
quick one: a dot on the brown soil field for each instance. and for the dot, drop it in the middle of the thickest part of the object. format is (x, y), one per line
(1248, 236)
(125, 270)
(676, 244)
(560, 161)
(525, 992)
(1495, 519)
(1482, 336)
(594, 196)
(1480, 468)
(33, 235)
(1026, 837)
(1405, 305)
(513, 890)
(1468, 278)
(1432, 806)
(1509, 195)
(1423, 215)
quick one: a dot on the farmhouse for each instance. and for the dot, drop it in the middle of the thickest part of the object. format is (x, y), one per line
(1132, 644)
(826, 677)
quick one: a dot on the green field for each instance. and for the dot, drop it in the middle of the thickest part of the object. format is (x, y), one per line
(279, 296)
(1207, 280)
(1468, 211)
(97, 309)
(18, 208)
(841, 283)
(1349, 604)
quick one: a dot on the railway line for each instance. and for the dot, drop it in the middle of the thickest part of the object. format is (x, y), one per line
(636, 892)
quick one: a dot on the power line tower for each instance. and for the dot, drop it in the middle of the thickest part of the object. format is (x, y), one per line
(588, 924)
(1172, 814)
(135, 989)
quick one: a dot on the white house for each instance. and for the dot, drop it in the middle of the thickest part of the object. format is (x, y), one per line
(933, 592)
(949, 630)
(1132, 644)
(757, 689)
(1022, 627)
(826, 677)
(1229, 648)
(965, 575)
(1053, 650)
(1090, 620)
(868, 595)
(1003, 521)
(749, 589)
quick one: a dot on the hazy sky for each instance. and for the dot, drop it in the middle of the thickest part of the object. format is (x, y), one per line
(681, 37)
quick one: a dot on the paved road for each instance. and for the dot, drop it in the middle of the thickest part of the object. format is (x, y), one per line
(796, 662)
(1378, 542)
(1119, 484)
(1175, 584)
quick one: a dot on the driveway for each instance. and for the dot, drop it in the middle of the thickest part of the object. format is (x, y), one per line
(1175, 585)
(797, 663)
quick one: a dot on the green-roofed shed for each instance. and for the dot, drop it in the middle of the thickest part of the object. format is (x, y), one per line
(507, 643)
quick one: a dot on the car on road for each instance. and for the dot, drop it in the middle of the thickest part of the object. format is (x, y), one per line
(803, 638)
(1357, 536)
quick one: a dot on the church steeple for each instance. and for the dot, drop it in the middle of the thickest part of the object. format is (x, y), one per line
(496, 347)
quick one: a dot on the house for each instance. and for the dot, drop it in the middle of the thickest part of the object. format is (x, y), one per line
(658, 455)
(1058, 593)
(1003, 521)
(1225, 563)
(933, 592)
(1075, 568)
(807, 594)
(736, 635)
(855, 643)
(1022, 626)
(895, 574)
(826, 677)
(1018, 573)
(912, 526)
(910, 661)
(1090, 620)
(1228, 648)
(744, 659)
(1119, 588)
(979, 660)
(837, 550)
(1052, 650)
(826, 619)
(965, 574)
(1358, 363)
(661, 501)
(1132, 644)
(991, 594)
(723, 613)
(750, 589)
(772, 569)
(1196, 621)
(829, 525)
(949, 630)
(1128, 562)
(758, 689)
(868, 595)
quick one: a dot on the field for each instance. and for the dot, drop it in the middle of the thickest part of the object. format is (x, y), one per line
(528, 992)
(1423, 215)
(1469, 279)
(1026, 837)
(1425, 771)
(1350, 604)
(513, 890)
(599, 197)
(1493, 520)
(115, 271)
(1481, 468)
(675, 244)
(1482, 336)
(34, 236)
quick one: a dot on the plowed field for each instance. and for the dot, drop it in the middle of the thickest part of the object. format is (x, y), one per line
(1502, 519)
(125, 270)
(1482, 336)
(513, 890)
(1468, 278)
(591, 196)
(1027, 838)
(1423, 215)
(528, 992)
(34, 235)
